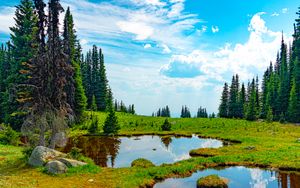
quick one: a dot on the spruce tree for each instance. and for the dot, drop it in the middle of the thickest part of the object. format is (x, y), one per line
(75, 90)
(23, 48)
(223, 108)
(111, 125)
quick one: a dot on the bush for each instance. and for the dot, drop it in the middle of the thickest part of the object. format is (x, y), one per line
(111, 125)
(144, 163)
(8, 135)
(212, 181)
(27, 152)
(166, 126)
(93, 128)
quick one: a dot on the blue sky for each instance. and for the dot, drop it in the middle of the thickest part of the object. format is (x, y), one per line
(177, 52)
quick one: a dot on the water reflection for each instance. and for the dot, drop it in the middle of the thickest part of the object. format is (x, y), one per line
(121, 151)
(239, 177)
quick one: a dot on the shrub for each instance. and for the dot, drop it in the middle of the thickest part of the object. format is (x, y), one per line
(111, 125)
(166, 126)
(143, 163)
(212, 181)
(93, 128)
(27, 152)
(8, 135)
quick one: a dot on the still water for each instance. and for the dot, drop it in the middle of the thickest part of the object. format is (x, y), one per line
(239, 177)
(121, 151)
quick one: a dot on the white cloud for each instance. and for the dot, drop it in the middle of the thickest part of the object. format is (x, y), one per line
(255, 54)
(146, 46)
(140, 29)
(285, 10)
(215, 29)
(176, 10)
(166, 49)
(275, 14)
(6, 18)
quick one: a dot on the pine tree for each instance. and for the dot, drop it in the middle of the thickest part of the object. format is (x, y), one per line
(223, 108)
(111, 125)
(48, 108)
(294, 101)
(102, 83)
(241, 102)
(76, 94)
(284, 85)
(251, 106)
(23, 48)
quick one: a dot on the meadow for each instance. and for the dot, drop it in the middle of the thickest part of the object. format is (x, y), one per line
(253, 144)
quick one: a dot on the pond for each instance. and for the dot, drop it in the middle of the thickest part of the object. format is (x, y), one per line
(121, 151)
(239, 177)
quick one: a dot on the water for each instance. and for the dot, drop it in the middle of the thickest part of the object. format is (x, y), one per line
(239, 177)
(121, 151)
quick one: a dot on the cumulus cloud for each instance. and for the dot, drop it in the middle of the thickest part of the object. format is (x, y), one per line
(255, 54)
(140, 29)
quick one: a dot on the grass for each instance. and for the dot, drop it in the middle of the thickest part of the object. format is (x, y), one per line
(261, 144)
(212, 181)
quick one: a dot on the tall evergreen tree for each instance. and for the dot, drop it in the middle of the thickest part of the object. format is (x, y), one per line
(23, 48)
(223, 108)
(75, 90)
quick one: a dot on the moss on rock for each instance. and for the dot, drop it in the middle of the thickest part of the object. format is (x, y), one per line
(144, 163)
(212, 181)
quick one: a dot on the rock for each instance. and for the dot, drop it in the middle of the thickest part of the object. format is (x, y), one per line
(61, 139)
(40, 155)
(144, 163)
(91, 180)
(212, 181)
(71, 162)
(250, 148)
(56, 167)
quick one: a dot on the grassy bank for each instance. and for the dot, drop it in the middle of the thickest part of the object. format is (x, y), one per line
(271, 145)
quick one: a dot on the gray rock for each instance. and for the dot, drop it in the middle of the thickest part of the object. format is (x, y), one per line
(71, 162)
(56, 167)
(40, 155)
(61, 139)
(250, 148)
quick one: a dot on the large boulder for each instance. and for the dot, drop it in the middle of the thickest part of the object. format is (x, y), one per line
(40, 155)
(71, 162)
(56, 167)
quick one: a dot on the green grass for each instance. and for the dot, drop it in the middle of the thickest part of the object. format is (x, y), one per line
(271, 145)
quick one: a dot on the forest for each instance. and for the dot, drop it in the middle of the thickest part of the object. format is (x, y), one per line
(61, 126)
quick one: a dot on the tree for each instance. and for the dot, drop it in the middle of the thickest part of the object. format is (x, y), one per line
(93, 128)
(75, 90)
(166, 126)
(47, 108)
(251, 110)
(23, 48)
(294, 101)
(223, 108)
(111, 125)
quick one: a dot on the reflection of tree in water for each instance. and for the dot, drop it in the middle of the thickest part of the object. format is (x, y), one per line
(288, 180)
(96, 148)
(167, 140)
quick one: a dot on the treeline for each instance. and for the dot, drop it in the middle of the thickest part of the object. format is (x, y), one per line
(46, 82)
(162, 112)
(279, 96)
(121, 107)
(185, 113)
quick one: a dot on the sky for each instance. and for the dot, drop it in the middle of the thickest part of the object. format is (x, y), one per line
(177, 52)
